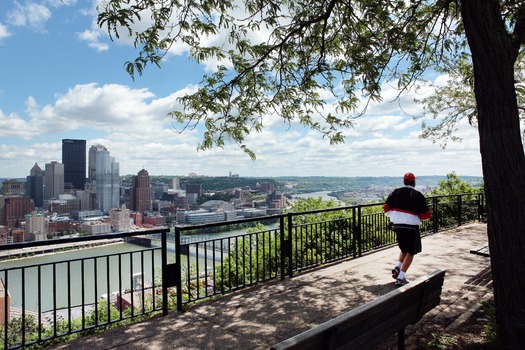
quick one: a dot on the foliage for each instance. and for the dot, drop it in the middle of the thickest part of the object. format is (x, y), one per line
(442, 342)
(17, 326)
(96, 317)
(251, 258)
(448, 204)
(303, 53)
(101, 313)
(320, 237)
(453, 185)
(491, 327)
(455, 101)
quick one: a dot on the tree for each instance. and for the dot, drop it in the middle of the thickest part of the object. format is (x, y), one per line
(451, 193)
(452, 185)
(455, 101)
(347, 50)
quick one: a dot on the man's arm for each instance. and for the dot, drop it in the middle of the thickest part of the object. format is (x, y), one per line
(424, 213)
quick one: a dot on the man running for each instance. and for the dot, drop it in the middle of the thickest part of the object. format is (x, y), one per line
(406, 208)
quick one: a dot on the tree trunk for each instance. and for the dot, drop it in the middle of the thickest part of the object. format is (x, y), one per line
(503, 160)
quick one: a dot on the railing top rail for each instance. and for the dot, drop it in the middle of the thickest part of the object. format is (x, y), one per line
(457, 195)
(182, 228)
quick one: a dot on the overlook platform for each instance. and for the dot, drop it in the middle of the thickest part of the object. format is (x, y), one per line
(260, 316)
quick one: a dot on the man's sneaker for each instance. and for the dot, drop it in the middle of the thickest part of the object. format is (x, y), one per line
(401, 282)
(395, 272)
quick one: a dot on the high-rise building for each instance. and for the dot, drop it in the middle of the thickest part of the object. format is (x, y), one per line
(194, 188)
(35, 226)
(108, 181)
(35, 185)
(74, 160)
(15, 210)
(88, 199)
(92, 161)
(267, 187)
(53, 180)
(140, 196)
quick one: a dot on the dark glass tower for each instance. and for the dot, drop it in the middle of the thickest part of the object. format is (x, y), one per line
(35, 185)
(74, 160)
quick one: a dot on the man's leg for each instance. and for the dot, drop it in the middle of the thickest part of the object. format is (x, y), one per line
(397, 268)
(407, 261)
(402, 256)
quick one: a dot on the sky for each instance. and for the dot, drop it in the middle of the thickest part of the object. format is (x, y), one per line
(61, 77)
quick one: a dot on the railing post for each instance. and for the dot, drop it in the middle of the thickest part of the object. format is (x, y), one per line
(6, 311)
(435, 214)
(481, 204)
(286, 245)
(359, 231)
(164, 271)
(282, 244)
(460, 210)
(178, 269)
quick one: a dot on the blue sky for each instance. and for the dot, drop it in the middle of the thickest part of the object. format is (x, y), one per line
(62, 77)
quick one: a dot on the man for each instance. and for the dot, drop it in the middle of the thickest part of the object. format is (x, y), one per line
(406, 208)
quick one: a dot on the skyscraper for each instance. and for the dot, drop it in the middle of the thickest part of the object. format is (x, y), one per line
(54, 180)
(35, 185)
(92, 161)
(74, 160)
(140, 198)
(108, 181)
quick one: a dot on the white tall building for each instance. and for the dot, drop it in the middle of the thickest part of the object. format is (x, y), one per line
(35, 227)
(92, 161)
(108, 181)
(53, 180)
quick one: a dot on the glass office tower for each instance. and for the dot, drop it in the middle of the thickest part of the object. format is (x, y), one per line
(74, 160)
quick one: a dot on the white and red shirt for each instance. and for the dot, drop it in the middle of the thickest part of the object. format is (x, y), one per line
(407, 206)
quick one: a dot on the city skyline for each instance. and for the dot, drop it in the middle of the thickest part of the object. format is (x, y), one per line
(62, 78)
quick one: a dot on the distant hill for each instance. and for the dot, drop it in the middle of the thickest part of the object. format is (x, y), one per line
(349, 183)
(301, 183)
(311, 183)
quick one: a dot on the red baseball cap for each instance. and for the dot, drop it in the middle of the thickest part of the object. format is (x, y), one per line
(409, 177)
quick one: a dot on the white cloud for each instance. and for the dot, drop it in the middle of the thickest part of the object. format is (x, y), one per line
(92, 37)
(133, 125)
(31, 15)
(14, 126)
(4, 32)
(59, 3)
(110, 108)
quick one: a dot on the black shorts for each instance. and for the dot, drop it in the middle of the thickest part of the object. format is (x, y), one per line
(408, 238)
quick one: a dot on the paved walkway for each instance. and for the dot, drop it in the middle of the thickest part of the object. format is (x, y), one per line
(258, 317)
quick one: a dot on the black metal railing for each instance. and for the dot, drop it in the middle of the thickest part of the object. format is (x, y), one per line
(40, 302)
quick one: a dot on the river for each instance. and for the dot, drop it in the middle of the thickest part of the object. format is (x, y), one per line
(323, 194)
(56, 271)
